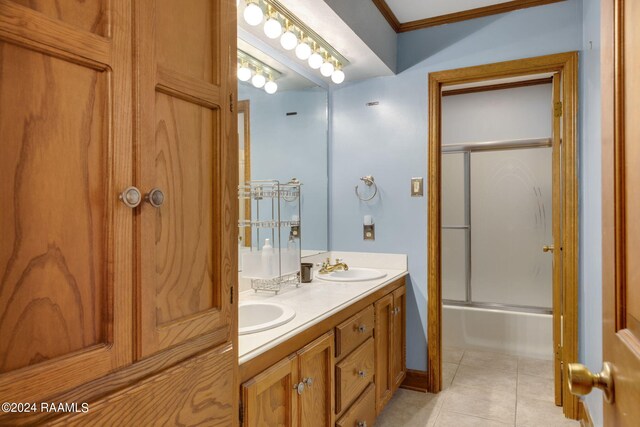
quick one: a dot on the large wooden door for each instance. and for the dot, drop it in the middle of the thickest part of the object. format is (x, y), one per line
(184, 148)
(621, 207)
(65, 239)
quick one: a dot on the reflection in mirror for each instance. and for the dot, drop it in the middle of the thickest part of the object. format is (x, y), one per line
(282, 136)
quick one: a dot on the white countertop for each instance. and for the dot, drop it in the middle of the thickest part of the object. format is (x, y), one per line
(315, 301)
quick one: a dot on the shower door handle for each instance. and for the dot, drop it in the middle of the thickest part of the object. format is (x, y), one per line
(547, 248)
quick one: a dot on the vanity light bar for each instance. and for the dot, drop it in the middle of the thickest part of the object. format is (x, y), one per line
(256, 64)
(301, 27)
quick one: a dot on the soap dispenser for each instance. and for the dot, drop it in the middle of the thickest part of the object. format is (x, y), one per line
(267, 259)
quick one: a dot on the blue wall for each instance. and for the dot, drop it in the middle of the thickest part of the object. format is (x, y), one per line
(389, 140)
(283, 147)
(591, 203)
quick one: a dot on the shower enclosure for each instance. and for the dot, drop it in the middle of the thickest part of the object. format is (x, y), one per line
(496, 218)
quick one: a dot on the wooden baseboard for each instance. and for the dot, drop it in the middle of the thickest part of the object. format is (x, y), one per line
(416, 380)
(583, 415)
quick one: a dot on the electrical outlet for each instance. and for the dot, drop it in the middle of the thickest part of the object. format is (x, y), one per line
(369, 232)
(417, 189)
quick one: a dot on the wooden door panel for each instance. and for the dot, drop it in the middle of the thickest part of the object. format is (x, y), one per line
(621, 208)
(189, 42)
(188, 243)
(383, 350)
(184, 223)
(66, 247)
(269, 398)
(54, 127)
(399, 349)
(90, 16)
(316, 363)
(199, 391)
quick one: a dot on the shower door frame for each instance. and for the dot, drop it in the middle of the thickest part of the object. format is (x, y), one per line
(565, 65)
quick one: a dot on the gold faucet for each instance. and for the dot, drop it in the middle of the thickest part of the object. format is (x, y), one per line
(328, 268)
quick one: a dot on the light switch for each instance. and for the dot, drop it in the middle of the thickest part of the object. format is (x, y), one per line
(417, 189)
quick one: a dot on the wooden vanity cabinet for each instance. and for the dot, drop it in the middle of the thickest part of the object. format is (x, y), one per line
(349, 386)
(297, 391)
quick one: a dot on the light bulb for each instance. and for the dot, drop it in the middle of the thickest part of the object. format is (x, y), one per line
(303, 51)
(271, 87)
(337, 77)
(315, 60)
(244, 73)
(258, 80)
(272, 28)
(326, 69)
(253, 14)
(288, 40)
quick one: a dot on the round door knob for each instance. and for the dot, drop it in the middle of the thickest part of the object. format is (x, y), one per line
(362, 329)
(362, 424)
(131, 197)
(308, 381)
(362, 374)
(155, 197)
(582, 380)
(299, 388)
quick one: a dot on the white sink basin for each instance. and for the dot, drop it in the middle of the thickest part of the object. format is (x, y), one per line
(352, 275)
(256, 316)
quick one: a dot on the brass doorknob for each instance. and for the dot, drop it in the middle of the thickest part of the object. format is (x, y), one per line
(582, 380)
(155, 197)
(547, 248)
(131, 197)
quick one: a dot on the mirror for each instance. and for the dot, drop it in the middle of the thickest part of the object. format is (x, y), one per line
(282, 136)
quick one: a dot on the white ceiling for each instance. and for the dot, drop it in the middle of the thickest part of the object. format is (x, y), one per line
(413, 10)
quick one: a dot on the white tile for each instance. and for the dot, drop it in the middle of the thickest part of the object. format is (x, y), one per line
(486, 378)
(533, 387)
(410, 408)
(485, 359)
(537, 367)
(452, 419)
(452, 355)
(485, 403)
(448, 373)
(535, 413)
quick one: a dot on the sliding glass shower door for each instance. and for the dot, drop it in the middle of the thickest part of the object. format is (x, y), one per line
(496, 217)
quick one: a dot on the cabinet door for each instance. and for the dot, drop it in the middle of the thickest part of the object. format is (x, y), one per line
(65, 238)
(316, 372)
(399, 349)
(269, 399)
(383, 350)
(184, 146)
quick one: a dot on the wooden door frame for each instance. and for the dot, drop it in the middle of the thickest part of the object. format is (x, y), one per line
(244, 107)
(566, 64)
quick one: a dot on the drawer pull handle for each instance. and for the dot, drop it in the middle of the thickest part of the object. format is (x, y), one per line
(362, 424)
(362, 374)
(299, 387)
(362, 329)
(308, 381)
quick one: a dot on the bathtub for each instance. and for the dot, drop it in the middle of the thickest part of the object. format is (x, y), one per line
(517, 333)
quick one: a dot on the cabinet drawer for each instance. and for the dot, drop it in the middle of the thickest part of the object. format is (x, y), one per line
(362, 412)
(353, 374)
(354, 331)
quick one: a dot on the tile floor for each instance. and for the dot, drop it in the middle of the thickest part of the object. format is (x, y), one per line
(481, 389)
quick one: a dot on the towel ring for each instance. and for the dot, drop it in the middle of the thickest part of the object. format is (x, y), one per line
(368, 181)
